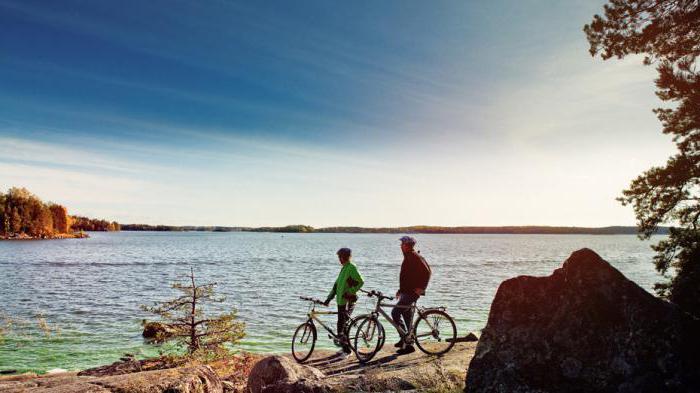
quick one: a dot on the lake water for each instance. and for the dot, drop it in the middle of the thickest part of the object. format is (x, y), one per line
(91, 289)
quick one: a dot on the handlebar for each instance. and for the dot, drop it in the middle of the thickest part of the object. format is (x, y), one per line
(377, 294)
(314, 301)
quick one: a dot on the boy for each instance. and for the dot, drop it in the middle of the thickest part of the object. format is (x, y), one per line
(347, 284)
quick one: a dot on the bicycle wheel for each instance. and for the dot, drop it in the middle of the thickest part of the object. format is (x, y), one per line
(303, 341)
(435, 332)
(367, 338)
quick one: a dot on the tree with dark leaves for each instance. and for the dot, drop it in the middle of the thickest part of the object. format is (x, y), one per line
(202, 335)
(667, 33)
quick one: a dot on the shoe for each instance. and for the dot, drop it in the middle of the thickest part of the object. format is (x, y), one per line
(399, 344)
(406, 350)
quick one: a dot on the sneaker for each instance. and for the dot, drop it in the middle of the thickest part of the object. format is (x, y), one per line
(399, 344)
(406, 350)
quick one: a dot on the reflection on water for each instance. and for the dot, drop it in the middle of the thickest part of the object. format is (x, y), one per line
(92, 288)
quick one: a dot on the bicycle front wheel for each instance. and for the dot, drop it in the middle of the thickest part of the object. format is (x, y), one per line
(435, 332)
(303, 341)
(367, 337)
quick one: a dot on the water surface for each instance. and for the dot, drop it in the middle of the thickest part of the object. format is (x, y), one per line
(91, 289)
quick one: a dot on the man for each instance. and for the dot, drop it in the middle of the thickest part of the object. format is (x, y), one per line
(413, 280)
(347, 284)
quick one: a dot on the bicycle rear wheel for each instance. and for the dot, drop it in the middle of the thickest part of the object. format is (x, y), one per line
(435, 332)
(367, 337)
(303, 341)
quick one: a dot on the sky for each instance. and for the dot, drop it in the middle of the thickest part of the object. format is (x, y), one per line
(322, 113)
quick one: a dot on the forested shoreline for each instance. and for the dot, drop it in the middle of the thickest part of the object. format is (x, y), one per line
(24, 216)
(532, 230)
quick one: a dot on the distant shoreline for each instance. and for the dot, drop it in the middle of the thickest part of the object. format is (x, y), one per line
(476, 230)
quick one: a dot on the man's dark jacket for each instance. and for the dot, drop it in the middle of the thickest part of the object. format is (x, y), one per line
(415, 273)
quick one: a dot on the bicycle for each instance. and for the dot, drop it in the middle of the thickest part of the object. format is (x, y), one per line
(426, 332)
(306, 333)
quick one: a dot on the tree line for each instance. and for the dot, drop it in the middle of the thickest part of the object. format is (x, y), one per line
(24, 214)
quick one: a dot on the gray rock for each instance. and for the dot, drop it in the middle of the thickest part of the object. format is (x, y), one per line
(585, 328)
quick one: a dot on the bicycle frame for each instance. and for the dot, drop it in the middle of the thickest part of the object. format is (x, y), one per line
(406, 335)
(379, 310)
(313, 316)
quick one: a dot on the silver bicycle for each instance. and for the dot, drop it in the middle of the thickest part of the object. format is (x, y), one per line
(434, 331)
(305, 335)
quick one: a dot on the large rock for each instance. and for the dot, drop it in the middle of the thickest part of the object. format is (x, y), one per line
(199, 379)
(157, 331)
(585, 328)
(278, 374)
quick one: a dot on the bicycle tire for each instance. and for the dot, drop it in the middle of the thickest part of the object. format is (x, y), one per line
(450, 339)
(359, 335)
(304, 328)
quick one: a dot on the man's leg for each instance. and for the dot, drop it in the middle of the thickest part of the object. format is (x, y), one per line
(403, 314)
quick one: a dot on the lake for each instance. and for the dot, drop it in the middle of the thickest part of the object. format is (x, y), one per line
(88, 291)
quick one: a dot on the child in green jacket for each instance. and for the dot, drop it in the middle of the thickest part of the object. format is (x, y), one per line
(347, 284)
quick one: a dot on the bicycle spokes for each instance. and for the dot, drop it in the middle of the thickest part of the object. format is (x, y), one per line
(435, 332)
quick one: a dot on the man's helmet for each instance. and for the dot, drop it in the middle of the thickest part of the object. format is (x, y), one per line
(344, 252)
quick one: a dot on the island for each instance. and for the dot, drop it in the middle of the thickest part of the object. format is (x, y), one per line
(24, 216)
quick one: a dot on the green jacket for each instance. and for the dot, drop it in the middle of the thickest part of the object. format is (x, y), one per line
(349, 281)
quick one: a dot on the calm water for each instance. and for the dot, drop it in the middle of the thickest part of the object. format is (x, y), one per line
(91, 289)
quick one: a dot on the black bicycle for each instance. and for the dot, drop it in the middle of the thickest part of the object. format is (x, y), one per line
(305, 335)
(434, 331)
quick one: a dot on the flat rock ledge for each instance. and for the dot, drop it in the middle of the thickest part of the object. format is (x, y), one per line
(328, 372)
(199, 379)
(585, 328)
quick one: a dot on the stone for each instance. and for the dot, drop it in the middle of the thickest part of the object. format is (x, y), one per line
(157, 331)
(468, 338)
(279, 374)
(585, 328)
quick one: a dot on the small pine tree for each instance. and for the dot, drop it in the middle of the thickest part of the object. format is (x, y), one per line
(184, 315)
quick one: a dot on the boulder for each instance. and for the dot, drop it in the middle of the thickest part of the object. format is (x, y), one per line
(157, 331)
(585, 328)
(278, 374)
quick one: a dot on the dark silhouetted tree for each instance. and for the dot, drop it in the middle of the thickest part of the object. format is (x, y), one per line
(201, 334)
(667, 33)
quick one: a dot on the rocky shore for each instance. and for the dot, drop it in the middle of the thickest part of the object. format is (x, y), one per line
(585, 328)
(24, 236)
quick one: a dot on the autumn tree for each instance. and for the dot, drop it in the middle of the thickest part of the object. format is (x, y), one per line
(199, 333)
(61, 222)
(4, 217)
(667, 33)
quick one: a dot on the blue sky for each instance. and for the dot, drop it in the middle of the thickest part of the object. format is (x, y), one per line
(323, 113)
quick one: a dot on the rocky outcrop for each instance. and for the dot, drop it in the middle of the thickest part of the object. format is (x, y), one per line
(278, 374)
(585, 328)
(199, 379)
(129, 364)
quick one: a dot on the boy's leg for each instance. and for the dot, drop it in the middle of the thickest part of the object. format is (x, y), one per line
(344, 313)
